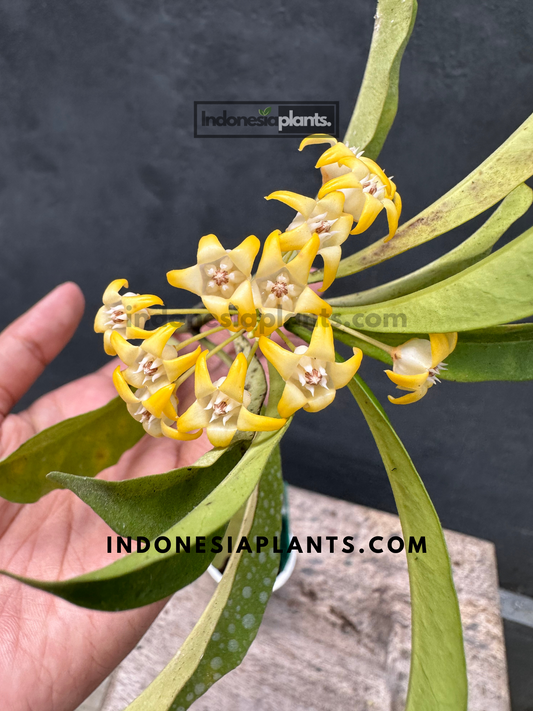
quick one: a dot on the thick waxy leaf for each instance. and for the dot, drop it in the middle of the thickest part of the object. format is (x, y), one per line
(378, 98)
(438, 679)
(496, 290)
(472, 250)
(228, 626)
(141, 578)
(150, 505)
(499, 353)
(510, 165)
(84, 445)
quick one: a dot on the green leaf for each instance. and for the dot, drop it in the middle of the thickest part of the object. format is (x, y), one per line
(85, 445)
(378, 97)
(494, 291)
(150, 505)
(476, 247)
(498, 353)
(438, 679)
(228, 626)
(138, 579)
(510, 165)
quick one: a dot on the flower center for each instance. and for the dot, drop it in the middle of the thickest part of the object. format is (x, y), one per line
(324, 226)
(149, 368)
(223, 277)
(220, 277)
(313, 377)
(279, 288)
(220, 408)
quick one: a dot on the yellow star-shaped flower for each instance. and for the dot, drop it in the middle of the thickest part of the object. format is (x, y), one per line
(311, 374)
(417, 363)
(325, 218)
(220, 407)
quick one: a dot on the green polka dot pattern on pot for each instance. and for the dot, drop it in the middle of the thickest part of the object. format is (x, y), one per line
(252, 586)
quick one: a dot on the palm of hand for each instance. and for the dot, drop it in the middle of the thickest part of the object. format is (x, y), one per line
(52, 653)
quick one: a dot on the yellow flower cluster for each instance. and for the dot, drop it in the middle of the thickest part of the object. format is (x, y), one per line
(355, 189)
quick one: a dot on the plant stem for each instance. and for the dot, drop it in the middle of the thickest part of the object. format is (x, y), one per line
(284, 338)
(171, 312)
(199, 337)
(213, 352)
(252, 351)
(363, 337)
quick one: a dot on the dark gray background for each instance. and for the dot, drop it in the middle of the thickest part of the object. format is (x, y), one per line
(100, 177)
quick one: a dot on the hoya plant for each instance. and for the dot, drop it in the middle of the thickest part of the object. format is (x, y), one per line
(267, 302)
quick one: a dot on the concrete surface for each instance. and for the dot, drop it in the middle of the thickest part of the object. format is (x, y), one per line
(337, 636)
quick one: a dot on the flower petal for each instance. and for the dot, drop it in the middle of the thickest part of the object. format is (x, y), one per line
(177, 366)
(158, 402)
(409, 398)
(249, 422)
(341, 373)
(300, 203)
(243, 256)
(196, 417)
(332, 257)
(300, 266)
(376, 170)
(348, 180)
(135, 333)
(132, 304)
(111, 294)
(321, 344)
(310, 303)
(398, 202)
(317, 138)
(271, 260)
(291, 400)
(125, 351)
(332, 204)
(372, 208)
(123, 388)
(392, 218)
(172, 433)
(108, 348)
(243, 299)
(220, 435)
(203, 385)
(442, 344)
(101, 320)
(283, 360)
(271, 319)
(189, 279)
(210, 249)
(411, 382)
(296, 238)
(233, 385)
(334, 155)
(158, 339)
(318, 403)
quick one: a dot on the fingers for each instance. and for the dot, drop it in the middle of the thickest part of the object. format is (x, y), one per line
(31, 342)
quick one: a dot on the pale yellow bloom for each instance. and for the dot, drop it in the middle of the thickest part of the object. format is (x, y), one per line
(156, 411)
(153, 364)
(366, 187)
(115, 316)
(280, 289)
(311, 374)
(222, 278)
(325, 218)
(221, 407)
(417, 363)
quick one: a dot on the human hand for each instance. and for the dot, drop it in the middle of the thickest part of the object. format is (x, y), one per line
(52, 653)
